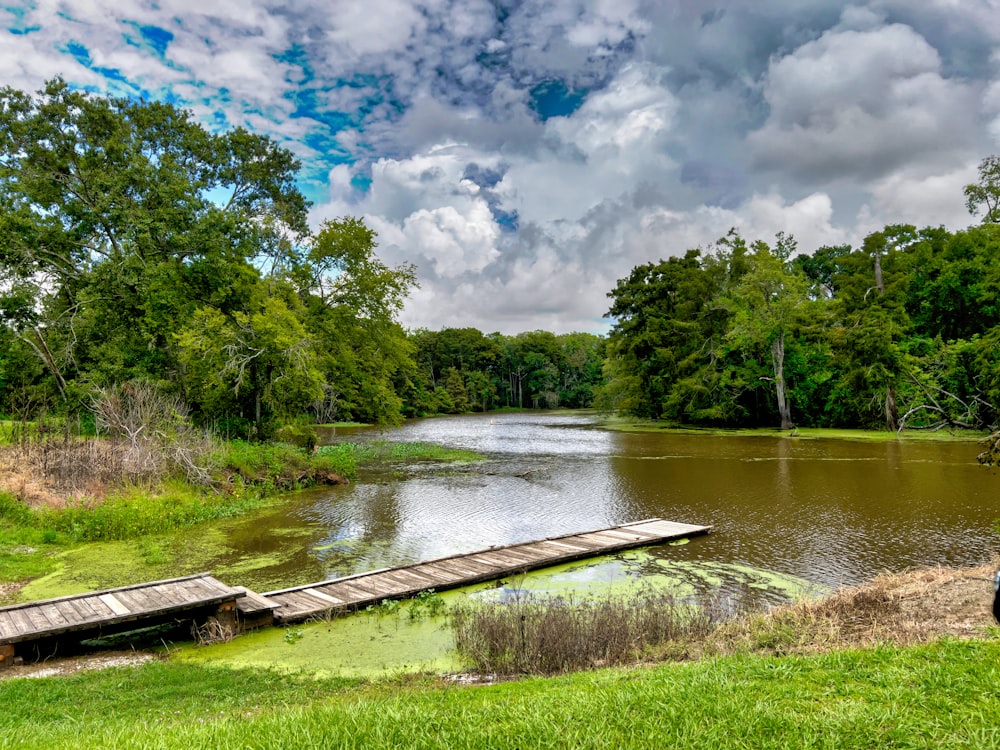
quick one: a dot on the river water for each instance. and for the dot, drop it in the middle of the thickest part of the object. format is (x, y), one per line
(831, 512)
(785, 512)
(789, 514)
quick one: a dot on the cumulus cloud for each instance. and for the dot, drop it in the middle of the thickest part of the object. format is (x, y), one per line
(860, 104)
(525, 156)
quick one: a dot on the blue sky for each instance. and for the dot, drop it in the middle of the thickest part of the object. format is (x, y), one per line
(526, 155)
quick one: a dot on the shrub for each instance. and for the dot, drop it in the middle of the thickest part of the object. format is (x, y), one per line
(557, 634)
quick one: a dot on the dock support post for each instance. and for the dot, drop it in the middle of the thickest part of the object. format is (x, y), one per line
(226, 615)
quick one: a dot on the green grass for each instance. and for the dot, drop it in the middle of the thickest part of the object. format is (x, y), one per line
(626, 424)
(248, 476)
(384, 450)
(944, 695)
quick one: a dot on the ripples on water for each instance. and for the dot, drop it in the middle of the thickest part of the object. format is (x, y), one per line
(831, 512)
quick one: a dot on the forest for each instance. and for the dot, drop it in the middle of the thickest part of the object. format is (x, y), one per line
(138, 246)
(901, 332)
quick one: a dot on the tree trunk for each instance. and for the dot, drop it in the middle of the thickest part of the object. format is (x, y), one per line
(42, 350)
(778, 366)
(891, 412)
(879, 284)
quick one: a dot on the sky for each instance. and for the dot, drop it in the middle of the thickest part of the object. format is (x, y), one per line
(527, 155)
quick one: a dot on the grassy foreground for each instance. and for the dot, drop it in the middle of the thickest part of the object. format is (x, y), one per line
(942, 695)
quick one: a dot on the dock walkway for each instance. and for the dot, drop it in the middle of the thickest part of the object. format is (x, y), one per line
(36, 629)
(35, 625)
(357, 591)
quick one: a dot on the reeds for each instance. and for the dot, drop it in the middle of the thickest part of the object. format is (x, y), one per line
(549, 635)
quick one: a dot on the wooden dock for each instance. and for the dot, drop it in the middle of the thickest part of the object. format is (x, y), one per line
(36, 629)
(38, 626)
(354, 592)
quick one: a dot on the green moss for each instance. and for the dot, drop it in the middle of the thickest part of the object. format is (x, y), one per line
(366, 644)
(355, 645)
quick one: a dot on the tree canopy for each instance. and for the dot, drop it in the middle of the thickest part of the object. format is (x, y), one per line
(137, 245)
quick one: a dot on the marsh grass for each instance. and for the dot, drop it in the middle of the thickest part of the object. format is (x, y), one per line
(906, 608)
(389, 451)
(554, 634)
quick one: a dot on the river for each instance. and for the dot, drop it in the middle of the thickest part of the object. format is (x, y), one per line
(830, 512)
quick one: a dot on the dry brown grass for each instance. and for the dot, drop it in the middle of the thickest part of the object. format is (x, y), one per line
(57, 472)
(143, 438)
(908, 608)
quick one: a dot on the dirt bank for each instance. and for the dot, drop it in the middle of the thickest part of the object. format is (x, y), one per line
(894, 608)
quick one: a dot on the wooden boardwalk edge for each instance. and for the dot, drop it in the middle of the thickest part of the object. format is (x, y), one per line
(200, 595)
(455, 571)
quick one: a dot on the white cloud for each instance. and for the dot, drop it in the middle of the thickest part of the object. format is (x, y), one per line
(860, 104)
(812, 117)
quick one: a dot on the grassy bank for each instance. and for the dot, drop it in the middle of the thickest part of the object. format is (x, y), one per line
(244, 477)
(628, 424)
(942, 695)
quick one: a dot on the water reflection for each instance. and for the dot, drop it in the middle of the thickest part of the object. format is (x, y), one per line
(828, 511)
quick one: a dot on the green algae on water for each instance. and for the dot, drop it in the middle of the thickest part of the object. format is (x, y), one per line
(365, 644)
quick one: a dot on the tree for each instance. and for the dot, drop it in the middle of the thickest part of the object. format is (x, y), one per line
(985, 194)
(660, 335)
(353, 300)
(120, 218)
(457, 393)
(766, 302)
(259, 363)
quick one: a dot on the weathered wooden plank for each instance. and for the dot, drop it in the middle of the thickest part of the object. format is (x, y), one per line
(89, 607)
(641, 532)
(622, 536)
(347, 594)
(134, 601)
(597, 538)
(572, 548)
(352, 591)
(457, 568)
(38, 620)
(76, 610)
(295, 602)
(531, 552)
(595, 546)
(408, 579)
(478, 566)
(661, 526)
(510, 562)
(325, 600)
(113, 604)
(377, 585)
(504, 560)
(253, 602)
(7, 628)
(53, 615)
(21, 622)
(521, 553)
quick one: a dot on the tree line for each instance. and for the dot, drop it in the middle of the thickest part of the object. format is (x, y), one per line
(137, 245)
(901, 332)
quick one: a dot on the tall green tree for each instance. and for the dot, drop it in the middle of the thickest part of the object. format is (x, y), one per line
(119, 218)
(985, 194)
(353, 301)
(767, 303)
